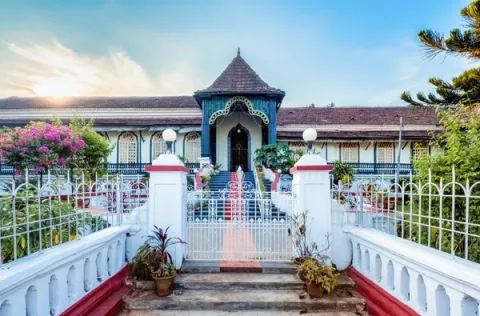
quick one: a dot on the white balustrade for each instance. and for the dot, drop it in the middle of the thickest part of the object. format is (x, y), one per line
(48, 282)
(427, 280)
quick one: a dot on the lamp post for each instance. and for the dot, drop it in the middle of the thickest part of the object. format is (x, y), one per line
(169, 136)
(309, 135)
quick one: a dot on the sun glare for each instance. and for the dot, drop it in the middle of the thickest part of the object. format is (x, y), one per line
(60, 87)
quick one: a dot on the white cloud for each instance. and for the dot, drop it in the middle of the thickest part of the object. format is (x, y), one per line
(53, 69)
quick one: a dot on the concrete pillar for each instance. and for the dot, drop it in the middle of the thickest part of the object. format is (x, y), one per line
(311, 192)
(167, 202)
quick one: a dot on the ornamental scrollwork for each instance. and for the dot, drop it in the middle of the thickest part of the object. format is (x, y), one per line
(231, 102)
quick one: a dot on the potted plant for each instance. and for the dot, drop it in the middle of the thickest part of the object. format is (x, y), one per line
(153, 261)
(320, 278)
(305, 263)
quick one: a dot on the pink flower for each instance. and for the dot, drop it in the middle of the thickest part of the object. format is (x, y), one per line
(24, 149)
(42, 149)
(61, 161)
(79, 143)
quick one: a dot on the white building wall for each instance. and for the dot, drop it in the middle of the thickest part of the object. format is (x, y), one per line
(367, 152)
(223, 128)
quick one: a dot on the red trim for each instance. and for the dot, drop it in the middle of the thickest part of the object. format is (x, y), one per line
(166, 168)
(311, 167)
(275, 182)
(198, 179)
(379, 301)
(105, 299)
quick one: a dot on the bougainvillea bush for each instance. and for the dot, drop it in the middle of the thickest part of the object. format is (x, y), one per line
(39, 145)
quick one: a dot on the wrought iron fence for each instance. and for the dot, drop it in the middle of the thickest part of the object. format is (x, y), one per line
(35, 216)
(441, 215)
(237, 223)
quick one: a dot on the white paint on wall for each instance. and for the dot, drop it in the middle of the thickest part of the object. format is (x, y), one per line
(224, 125)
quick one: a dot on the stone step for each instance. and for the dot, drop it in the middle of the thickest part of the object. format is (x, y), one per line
(238, 281)
(236, 313)
(247, 281)
(228, 300)
(215, 266)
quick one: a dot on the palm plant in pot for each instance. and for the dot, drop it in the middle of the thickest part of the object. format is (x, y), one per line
(320, 278)
(154, 260)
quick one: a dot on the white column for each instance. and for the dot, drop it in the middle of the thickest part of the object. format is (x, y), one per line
(167, 202)
(456, 299)
(414, 289)
(311, 192)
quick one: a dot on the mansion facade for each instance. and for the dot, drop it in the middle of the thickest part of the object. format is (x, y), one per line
(226, 122)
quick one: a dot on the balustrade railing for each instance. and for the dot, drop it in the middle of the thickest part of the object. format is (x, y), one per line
(48, 284)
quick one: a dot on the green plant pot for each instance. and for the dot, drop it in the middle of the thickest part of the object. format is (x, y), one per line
(164, 285)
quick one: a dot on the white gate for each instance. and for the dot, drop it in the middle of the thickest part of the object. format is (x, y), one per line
(237, 223)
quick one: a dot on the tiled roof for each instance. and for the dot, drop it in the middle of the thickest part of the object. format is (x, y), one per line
(407, 135)
(98, 102)
(138, 122)
(239, 77)
(386, 115)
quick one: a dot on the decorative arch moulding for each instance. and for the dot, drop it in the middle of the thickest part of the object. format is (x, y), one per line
(232, 101)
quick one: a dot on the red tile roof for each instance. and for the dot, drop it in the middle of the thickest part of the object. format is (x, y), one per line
(385, 115)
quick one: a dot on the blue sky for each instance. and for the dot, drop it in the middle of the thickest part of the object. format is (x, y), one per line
(348, 52)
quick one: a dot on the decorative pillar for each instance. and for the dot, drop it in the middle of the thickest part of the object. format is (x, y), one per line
(205, 134)
(167, 202)
(272, 124)
(311, 192)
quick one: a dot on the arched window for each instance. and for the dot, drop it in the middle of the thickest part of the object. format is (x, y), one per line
(159, 146)
(420, 150)
(385, 153)
(350, 152)
(127, 148)
(192, 147)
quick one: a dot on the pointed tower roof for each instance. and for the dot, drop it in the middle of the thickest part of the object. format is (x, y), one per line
(240, 78)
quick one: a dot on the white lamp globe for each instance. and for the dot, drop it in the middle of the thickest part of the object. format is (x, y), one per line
(309, 135)
(169, 135)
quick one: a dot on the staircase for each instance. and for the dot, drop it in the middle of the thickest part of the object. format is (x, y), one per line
(225, 206)
(273, 292)
(221, 180)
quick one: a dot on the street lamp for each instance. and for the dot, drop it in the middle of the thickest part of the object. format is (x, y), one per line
(169, 136)
(309, 135)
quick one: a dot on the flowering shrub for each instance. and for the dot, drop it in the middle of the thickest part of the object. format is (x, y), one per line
(39, 145)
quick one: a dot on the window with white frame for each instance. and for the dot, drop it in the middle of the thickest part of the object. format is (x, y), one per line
(159, 146)
(420, 150)
(298, 147)
(127, 148)
(192, 147)
(385, 152)
(350, 152)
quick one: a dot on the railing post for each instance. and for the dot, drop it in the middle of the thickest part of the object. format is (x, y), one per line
(311, 192)
(167, 203)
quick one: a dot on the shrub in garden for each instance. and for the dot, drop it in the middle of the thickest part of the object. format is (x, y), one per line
(342, 172)
(39, 145)
(277, 156)
(90, 157)
(458, 147)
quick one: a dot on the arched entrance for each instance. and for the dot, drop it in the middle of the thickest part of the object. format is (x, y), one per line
(239, 148)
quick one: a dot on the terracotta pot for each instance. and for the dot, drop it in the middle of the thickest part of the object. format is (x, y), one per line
(164, 286)
(314, 290)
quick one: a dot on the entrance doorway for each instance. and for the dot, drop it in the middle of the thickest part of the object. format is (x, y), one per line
(239, 148)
